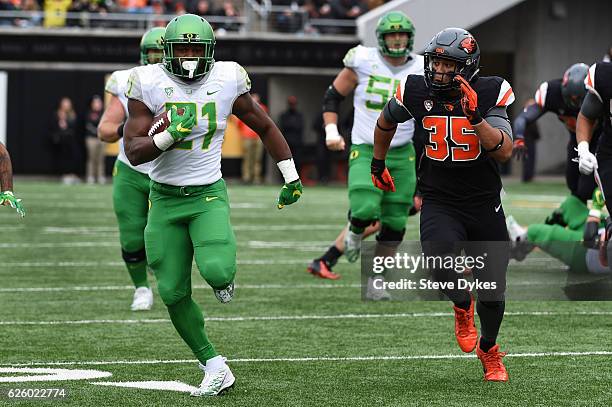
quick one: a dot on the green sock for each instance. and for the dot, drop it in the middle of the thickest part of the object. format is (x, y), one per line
(188, 320)
(561, 243)
(138, 273)
(574, 211)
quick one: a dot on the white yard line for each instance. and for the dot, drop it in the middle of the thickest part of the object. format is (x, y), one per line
(299, 318)
(195, 286)
(311, 359)
(48, 264)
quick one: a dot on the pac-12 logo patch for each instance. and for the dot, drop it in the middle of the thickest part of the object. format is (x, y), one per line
(428, 104)
(169, 91)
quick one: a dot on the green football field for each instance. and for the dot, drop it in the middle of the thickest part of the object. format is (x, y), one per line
(290, 339)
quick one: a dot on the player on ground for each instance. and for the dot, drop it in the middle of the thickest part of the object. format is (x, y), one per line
(597, 105)
(189, 207)
(468, 132)
(373, 73)
(564, 98)
(131, 183)
(7, 198)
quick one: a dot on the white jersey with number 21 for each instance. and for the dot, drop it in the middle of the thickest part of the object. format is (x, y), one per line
(196, 160)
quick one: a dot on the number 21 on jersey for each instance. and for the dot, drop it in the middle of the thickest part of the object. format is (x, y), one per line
(208, 112)
(457, 129)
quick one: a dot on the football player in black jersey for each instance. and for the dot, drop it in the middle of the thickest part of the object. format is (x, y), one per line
(467, 134)
(564, 98)
(597, 106)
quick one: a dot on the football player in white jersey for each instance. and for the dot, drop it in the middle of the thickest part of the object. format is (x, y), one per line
(131, 183)
(189, 207)
(374, 74)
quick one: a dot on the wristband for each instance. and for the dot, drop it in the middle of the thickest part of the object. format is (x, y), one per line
(287, 168)
(163, 140)
(331, 132)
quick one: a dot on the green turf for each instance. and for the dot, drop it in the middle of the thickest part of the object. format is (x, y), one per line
(69, 240)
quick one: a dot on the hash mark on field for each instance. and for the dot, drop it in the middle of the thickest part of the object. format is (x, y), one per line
(299, 317)
(312, 359)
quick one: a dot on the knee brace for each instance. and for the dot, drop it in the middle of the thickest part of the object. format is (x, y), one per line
(390, 237)
(134, 257)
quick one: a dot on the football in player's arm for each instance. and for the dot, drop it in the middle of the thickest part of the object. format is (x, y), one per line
(7, 198)
(141, 148)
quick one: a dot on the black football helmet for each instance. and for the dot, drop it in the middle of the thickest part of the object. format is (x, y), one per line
(573, 89)
(455, 44)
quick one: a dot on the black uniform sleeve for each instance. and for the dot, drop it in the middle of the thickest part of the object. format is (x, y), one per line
(592, 107)
(497, 118)
(528, 115)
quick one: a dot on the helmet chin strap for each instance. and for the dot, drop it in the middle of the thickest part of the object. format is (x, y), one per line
(190, 66)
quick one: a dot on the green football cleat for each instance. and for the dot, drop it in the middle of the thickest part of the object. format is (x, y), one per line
(7, 198)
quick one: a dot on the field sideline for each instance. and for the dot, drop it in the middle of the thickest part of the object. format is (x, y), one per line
(290, 339)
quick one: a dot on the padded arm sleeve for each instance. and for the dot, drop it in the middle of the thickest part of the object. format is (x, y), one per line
(332, 100)
(394, 112)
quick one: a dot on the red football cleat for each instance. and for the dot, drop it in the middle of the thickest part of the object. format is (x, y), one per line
(465, 329)
(319, 268)
(494, 369)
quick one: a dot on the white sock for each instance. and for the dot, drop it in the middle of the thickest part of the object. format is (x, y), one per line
(214, 364)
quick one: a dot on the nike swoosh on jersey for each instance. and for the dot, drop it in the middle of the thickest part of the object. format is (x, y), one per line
(213, 92)
(211, 198)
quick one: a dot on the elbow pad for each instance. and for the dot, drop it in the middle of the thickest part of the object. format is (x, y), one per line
(592, 108)
(394, 113)
(332, 100)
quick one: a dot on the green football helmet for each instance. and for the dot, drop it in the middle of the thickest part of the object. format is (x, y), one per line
(193, 30)
(152, 39)
(394, 22)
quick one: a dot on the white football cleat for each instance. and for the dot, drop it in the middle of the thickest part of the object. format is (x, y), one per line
(376, 293)
(226, 294)
(215, 382)
(352, 246)
(517, 232)
(143, 299)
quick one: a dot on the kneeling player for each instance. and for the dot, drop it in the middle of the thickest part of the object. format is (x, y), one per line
(468, 131)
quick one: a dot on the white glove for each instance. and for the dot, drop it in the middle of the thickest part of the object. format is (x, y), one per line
(586, 160)
(333, 140)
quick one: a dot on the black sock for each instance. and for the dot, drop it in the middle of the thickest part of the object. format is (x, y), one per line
(486, 344)
(331, 256)
(491, 314)
(464, 305)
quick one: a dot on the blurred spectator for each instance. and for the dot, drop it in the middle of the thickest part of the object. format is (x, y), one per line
(36, 18)
(346, 9)
(199, 7)
(292, 126)
(228, 10)
(532, 135)
(608, 56)
(62, 130)
(135, 6)
(7, 5)
(253, 149)
(95, 147)
(290, 19)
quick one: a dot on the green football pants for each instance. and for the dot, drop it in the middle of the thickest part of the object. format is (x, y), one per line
(130, 202)
(369, 203)
(561, 243)
(188, 222)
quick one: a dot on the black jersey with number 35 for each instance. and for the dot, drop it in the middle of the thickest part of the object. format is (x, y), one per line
(453, 166)
(599, 82)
